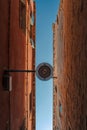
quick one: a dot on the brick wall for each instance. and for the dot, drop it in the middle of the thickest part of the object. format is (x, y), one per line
(72, 78)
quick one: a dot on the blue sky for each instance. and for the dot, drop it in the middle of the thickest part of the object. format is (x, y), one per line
(46, 11)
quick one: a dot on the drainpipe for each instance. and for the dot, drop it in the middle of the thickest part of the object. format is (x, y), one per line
(9, 23)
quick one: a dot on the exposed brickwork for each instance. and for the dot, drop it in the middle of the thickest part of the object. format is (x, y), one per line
(72, 64)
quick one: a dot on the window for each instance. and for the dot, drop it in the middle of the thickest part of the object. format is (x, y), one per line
(56, 89)
(32, 19)
(53, 116)
(60, 109)
(32, 42)
(30, 101)
(31, 31)
(22, 17)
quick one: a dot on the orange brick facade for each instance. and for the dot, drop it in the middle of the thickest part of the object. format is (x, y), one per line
(70, 66)
(17, 51)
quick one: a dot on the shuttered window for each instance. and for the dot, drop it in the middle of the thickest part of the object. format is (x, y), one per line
(22, 15)
(30, 101)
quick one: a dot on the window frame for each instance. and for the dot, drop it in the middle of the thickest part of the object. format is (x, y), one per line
(22, 15)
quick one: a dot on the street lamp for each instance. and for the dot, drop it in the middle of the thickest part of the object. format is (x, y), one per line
(44, 71)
